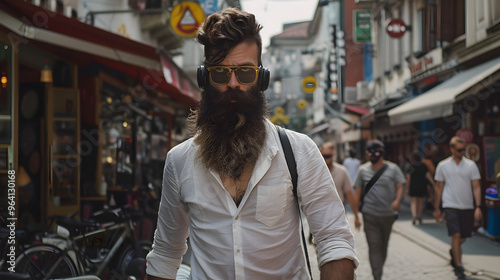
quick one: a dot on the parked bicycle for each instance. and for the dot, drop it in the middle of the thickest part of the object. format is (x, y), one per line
(23, 276)
(103, 246)
(14, 240)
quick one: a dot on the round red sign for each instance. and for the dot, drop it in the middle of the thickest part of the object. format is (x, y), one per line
(396, 28)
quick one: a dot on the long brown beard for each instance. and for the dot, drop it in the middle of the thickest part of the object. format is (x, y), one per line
(230, 134)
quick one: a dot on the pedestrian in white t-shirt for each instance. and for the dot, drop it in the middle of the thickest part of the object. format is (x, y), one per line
(457, 184)
(352, 164)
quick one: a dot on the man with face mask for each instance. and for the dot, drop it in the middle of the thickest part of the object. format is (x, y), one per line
(229, 187)
(380, 204)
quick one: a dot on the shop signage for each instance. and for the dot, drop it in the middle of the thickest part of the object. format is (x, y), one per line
(309, 84)
(362, 26)
(466, 134)
(209, 6)
(301, 104)
(428, 61)
(186, 17)
(396, 28)
(279, 116)
(472, 152)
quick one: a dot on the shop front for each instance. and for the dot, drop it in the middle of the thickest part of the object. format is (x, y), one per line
(88, 115)
(466, 105)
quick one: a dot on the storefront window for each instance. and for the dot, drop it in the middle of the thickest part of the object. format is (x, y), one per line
(5, 93)
(117, 153)
(5, 118)
(137, 137)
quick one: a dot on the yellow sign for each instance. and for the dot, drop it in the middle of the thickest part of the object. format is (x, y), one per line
(302, 104)
(186, 17)
(279, 117)
(279, 111)
(309, 84)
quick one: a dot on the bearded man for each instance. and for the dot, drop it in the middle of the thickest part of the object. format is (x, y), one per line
(380, 203)
(228, 187)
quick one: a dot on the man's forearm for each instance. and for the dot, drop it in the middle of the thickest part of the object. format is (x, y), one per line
(399, 193)
(439, 190)
(476, 188)
(339, 270)
(351, 198)
(357, 198)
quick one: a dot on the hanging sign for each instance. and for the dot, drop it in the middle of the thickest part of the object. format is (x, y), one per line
(309, 84)
(186, 17)
(396, 28)
(362, 26)
(301, 104)
(466, 134)
(209, 6)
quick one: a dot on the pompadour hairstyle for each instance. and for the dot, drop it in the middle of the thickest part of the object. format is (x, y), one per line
(222, 31)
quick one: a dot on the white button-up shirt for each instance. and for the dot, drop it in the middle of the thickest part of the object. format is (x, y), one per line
(259, 239)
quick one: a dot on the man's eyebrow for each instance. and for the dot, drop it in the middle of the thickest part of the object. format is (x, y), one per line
(246, 63)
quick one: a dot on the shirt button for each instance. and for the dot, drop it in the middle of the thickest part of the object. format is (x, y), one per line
(237, 250)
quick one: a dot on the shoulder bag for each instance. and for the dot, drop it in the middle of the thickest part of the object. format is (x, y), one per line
(370, 184)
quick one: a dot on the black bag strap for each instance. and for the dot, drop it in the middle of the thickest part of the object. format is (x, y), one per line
(374, 179)
(292, 167)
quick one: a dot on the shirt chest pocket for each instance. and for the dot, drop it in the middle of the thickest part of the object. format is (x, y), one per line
(271, 203)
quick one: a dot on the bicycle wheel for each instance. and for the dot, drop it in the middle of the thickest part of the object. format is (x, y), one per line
(39, 260)
(132, 263)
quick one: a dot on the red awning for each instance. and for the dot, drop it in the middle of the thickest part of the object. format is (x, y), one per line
(358, 110)
(133, 58)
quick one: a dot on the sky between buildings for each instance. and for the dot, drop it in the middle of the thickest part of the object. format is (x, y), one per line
(272, 14)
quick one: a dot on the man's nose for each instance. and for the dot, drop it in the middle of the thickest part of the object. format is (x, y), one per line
(233, 82)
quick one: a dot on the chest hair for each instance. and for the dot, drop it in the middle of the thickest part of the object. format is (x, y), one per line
(237, 187)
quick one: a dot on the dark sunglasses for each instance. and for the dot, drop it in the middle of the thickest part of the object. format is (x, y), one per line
(374, 151)
(460, 150)
(327, 156)
(220, 75)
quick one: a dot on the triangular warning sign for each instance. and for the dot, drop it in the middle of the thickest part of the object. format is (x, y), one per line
(187, 23)
(188, 18)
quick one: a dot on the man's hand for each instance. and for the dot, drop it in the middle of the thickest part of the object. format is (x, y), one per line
(478, 214)
(357, 223)
(339, 270)
(395, 205)
(437, 215)
(399, 196)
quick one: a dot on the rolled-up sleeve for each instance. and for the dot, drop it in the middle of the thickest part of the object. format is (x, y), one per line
(172, 228)
(322, 206)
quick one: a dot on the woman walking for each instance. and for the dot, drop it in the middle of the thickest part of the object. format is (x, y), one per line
(418, 177)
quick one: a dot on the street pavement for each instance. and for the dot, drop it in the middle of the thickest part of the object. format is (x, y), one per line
(421, 252)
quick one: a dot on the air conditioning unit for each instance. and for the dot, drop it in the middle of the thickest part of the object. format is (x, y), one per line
(364, 93)
(350, 95)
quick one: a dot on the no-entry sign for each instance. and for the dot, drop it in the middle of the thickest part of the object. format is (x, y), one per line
(396, 28)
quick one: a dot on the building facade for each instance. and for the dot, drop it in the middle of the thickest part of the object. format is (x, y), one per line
(92, 97)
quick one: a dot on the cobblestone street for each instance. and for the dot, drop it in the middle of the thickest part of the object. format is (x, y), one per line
(421, 252)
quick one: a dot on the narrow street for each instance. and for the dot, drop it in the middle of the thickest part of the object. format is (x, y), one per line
(421, 252)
